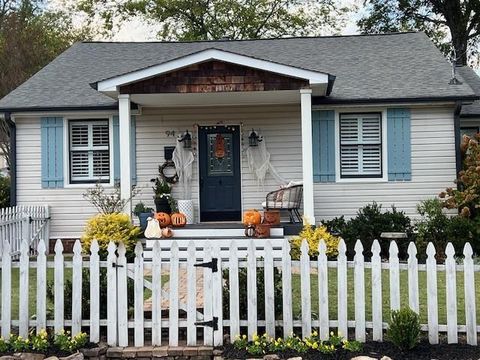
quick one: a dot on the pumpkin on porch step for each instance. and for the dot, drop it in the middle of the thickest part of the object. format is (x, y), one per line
(163, 218)
(271, 217)
(262, 231)
(251, 217)
(167, 232)
(153, 230)
(178, 219)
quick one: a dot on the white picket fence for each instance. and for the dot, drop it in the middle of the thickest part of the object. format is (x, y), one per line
(24, 222)
(186, 314)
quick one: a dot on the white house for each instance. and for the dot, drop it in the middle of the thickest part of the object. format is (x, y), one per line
(356, 118)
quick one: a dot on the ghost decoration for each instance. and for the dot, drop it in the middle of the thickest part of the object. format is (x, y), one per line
(153, 230)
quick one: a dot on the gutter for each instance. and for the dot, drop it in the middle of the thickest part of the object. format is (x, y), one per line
(13, 158)
(321, 100)
(456, 126)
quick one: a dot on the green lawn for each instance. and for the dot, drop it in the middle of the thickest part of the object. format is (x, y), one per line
(422, 279)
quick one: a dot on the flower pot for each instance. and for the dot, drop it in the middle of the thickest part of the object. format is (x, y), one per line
(186, 207)
(162, 205)
(143, 219)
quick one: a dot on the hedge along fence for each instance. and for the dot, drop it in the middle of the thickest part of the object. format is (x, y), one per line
(184, 311)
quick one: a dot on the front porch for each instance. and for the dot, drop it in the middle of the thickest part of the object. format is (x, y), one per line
(215, 95)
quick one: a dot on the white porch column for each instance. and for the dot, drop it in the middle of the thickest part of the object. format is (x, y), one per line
(307, 156)
(124, 117)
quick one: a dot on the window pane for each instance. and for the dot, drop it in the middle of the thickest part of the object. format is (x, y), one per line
(371, 130)
(101, 164)
(79, 135)
(79, 164)
(350, 161)
(372, 159)
(100, 134)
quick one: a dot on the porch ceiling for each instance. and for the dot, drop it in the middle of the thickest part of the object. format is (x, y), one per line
(217, 99)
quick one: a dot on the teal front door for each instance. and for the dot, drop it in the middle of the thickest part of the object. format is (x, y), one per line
(219, 167)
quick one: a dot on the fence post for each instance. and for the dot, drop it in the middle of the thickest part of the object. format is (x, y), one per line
(359, 291)
(305, 290)
(432, 295)
(122, 301)
(451, 283)
(47, 229)
(112, 295)
(377, 292)
(138, 297)
(94, 292)
(323, 315)
(217, 298)
(342, 289)
(173, 302)
(234, 291)
(394, 276)
(269, 290)
(59, 312)
(207, 295)
(469, 284)
(413, 278)
(23, 289)
(251, 290)
(77, 294)
(156, 294)
(6, 290)
(191, 295)
(41, 286)
(287, 289)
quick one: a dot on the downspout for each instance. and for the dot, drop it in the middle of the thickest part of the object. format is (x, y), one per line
(456, 122)
(13, 159)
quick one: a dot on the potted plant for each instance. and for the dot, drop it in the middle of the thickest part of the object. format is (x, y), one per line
(163, 196)
(143, 213)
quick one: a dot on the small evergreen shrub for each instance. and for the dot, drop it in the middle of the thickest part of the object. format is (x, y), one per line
(313, 235)
(114, 227)
(4, 191)
(404, 329)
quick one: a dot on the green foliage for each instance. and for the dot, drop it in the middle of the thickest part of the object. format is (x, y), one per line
(404, 329)
(86, 294)
(261, 345)
(436, 227)
(4, 346)
(67, 343)
(39, 342)
(313, 235)
(110, 227)
(368, 225)
(161, 188)
(243, 296)
(141, 208)
(107, 201)
(18, 343)
(4, 191)
(232, 19)
(452, 26)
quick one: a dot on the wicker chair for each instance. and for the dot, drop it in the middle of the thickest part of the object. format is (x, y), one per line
(289, 199)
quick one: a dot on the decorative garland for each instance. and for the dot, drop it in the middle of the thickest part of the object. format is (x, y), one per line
(169, 179)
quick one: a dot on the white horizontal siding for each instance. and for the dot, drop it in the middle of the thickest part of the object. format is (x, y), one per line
(433, 162)
(433, 169)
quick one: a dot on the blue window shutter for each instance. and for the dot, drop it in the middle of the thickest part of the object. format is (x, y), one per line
(116, 150)
(399, 144)
(51, 129)
(323, 128)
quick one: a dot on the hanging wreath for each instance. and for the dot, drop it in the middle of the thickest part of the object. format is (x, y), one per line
(219, 147)
(166, 172)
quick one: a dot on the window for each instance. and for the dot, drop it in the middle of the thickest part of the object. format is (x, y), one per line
(89, 151)
(360, 145)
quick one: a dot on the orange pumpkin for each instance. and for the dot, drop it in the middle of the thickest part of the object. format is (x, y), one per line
(262, 231)
(271, 217)
(179, 219)
(163, 218)
(251, 217)
(167, 232)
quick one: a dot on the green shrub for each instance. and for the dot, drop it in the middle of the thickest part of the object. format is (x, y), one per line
(404, 329)
(69, 344)
(110, 227)
(436, 227)
(313, 235)
(242, 288)
(4, 191)
(368, 225)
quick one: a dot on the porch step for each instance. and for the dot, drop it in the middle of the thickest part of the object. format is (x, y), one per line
(223, 243)
(193, 232)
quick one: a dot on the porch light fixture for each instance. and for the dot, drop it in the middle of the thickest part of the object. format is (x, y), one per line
(187, 140)
(254, 139)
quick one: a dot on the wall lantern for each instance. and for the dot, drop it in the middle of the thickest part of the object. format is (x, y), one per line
(187, 140)
(254, 139)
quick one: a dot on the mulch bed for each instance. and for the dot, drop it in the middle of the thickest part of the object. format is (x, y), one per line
(424, 351)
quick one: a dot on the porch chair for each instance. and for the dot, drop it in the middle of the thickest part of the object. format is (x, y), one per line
(288, 198)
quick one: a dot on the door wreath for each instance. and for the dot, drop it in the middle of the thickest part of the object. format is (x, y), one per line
(165, 169)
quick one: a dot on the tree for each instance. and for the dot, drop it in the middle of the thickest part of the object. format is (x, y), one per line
(451, 24)
(219, 19)
(30, 37)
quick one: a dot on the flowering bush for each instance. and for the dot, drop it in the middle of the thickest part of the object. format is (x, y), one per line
(261, 345)
(313, 236)
(110, 227)
(64, 342)
(39, 342)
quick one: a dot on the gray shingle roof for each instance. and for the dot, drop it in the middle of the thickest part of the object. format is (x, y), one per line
(395, 66)
(473, 80)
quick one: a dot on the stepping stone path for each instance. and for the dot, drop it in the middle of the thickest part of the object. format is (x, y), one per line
(182, 290)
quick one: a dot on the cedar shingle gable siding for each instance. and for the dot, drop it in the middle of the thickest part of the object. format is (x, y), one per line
(214, 76)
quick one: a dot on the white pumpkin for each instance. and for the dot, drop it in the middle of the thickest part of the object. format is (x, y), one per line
(153, 230)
